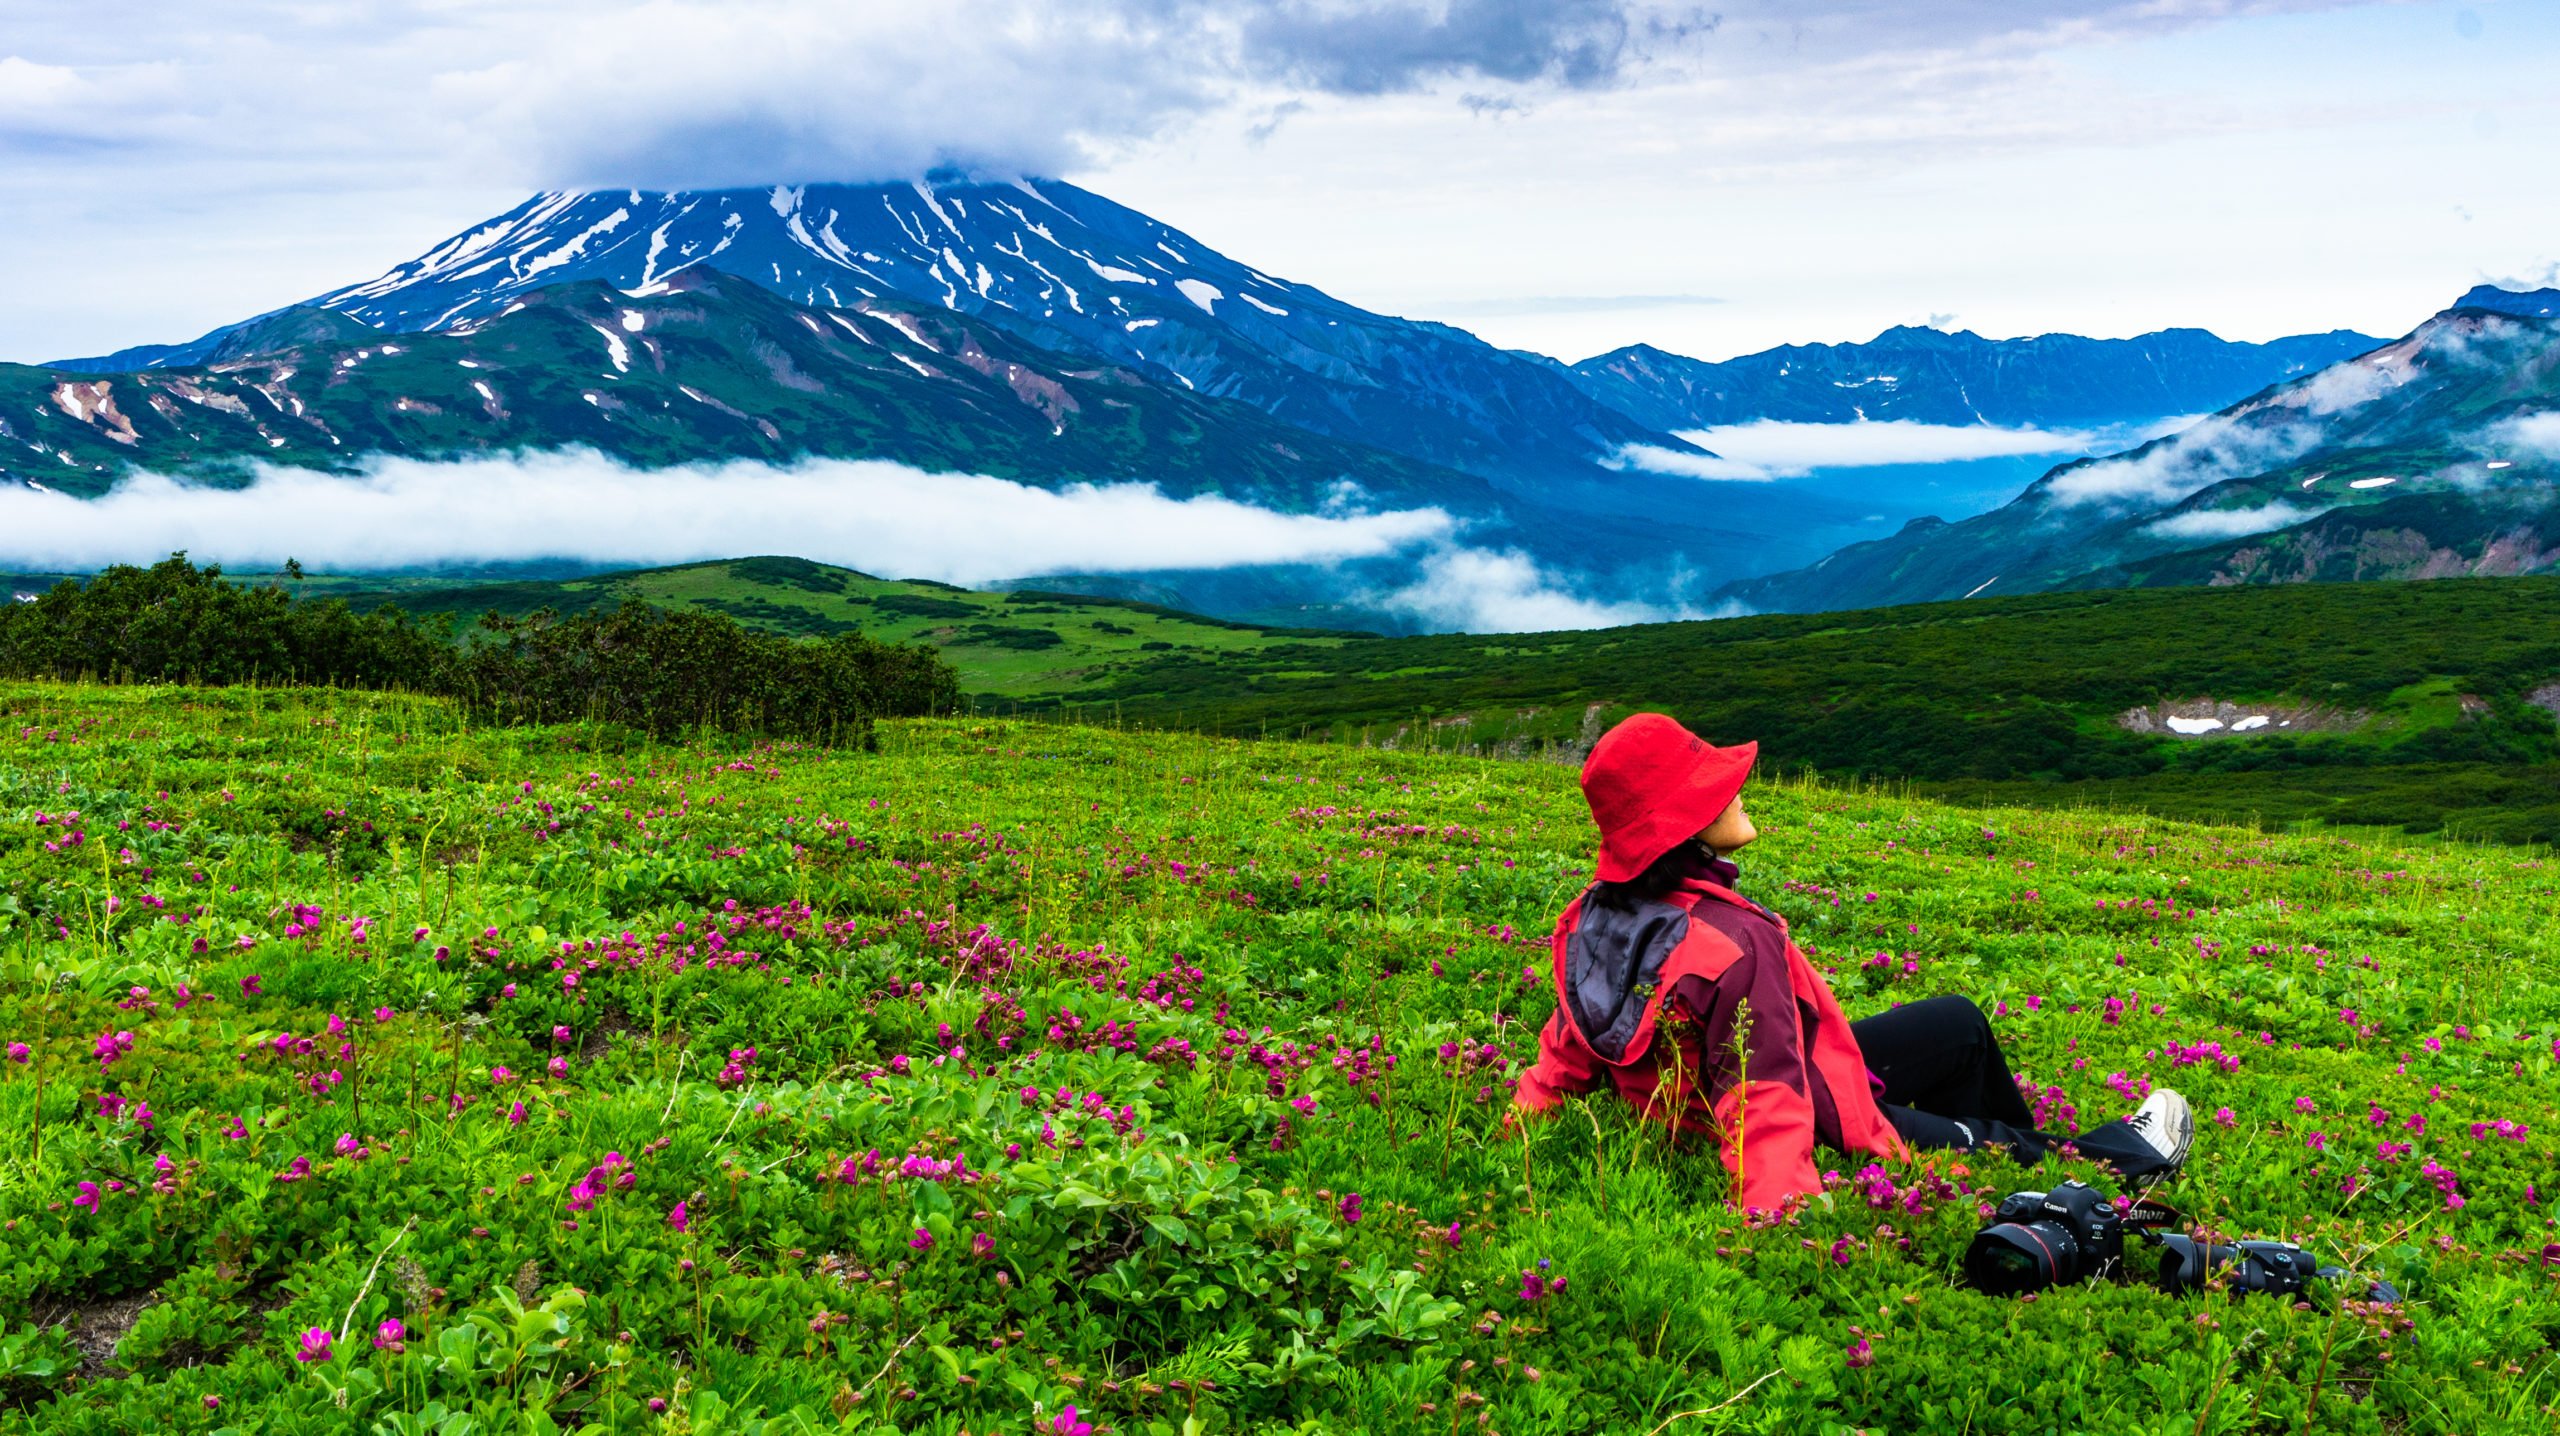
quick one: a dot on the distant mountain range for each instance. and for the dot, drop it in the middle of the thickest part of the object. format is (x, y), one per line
(2433, 456)
(1930, 376)
(1035, 331)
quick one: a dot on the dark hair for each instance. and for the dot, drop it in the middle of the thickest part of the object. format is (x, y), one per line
(1659, 877)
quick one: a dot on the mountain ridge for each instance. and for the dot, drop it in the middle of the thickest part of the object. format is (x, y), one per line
(709, 367)
(2423, 457)
(1059, 266)
(1934, 376)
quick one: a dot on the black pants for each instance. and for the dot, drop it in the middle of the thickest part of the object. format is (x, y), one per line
(1947, 1087)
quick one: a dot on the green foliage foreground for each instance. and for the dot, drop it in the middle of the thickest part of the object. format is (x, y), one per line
(385, 1074)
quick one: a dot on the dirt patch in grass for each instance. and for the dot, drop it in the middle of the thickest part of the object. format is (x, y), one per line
(94, 1327)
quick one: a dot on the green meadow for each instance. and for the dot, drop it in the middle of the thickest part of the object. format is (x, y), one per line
(374, 1071)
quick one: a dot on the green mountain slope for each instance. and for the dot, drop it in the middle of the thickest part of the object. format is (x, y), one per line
(2311, 480)
(1006, 646)
(2421, 703)
(712, 368)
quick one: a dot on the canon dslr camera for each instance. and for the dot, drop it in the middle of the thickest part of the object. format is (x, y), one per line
(2037, 1240)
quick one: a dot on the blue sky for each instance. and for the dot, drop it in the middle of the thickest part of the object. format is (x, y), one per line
(1567, 175)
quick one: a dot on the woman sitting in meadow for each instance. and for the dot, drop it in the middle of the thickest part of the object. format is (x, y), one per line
(1755, 1049)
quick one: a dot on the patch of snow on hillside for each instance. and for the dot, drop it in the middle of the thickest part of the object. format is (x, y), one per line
(2502, 463)
(849, 327)
(575, 247)
(615, 346)
(912, 364)
(2383, 482)
(1258, 304)
(1114, 273)
(2193, 726)
(2254, 720)
(1201, 292)
(1135, 325)
(925, 193)
(907, 326)
(632, 321)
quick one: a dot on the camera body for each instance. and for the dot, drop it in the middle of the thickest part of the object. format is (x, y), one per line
(2280, 1268)
(2035, 1240)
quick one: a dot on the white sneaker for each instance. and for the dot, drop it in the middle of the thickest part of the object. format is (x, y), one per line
(2167, 1125)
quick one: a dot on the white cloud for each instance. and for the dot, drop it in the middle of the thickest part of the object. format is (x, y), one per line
(883, 518)
(1655, 459)
(1784, 449)
(2212, 450)
(1481, 591)
(2230, 523)
(2537, 433)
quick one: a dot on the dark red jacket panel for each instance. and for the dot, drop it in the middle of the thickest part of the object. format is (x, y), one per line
(1702, 1012)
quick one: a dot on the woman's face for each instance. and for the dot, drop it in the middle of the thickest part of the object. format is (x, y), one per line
(1732, 829)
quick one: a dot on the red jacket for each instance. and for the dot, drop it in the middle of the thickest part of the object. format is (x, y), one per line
(1770, 1091)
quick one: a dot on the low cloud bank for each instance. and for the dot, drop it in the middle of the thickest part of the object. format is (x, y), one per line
(2231, 523)
(1775, 449)
(2537, 434)
(1480, 591)
(880, 517)
(1785, 449)
(2214, 449)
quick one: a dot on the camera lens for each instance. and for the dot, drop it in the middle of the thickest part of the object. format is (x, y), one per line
(2016, 1257)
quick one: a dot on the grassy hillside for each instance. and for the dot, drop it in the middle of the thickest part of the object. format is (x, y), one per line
(376, 1070)
(2420, 704)
(2423, 689)
(1006, 646)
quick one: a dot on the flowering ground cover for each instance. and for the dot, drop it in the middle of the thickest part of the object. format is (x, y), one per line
(368, 1071)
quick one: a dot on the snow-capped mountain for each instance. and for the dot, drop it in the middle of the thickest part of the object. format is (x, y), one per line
(1062, 267)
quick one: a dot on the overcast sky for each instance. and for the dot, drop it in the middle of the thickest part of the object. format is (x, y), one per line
(1565, 175)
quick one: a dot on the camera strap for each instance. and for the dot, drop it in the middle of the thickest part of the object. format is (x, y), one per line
(2149, 1218)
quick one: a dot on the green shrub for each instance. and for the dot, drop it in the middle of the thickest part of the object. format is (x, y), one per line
(652, 670)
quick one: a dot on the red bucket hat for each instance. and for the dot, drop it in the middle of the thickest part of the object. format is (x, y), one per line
(1651, 784)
